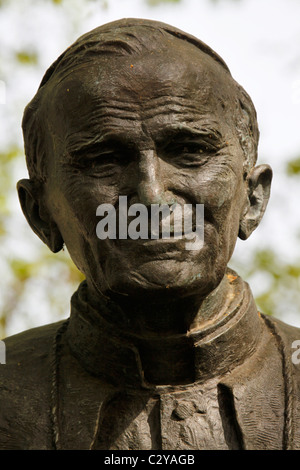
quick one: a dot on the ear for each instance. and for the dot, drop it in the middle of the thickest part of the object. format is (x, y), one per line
(259, 185)
(38, 217)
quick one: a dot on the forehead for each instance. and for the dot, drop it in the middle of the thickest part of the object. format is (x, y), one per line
(173, 83)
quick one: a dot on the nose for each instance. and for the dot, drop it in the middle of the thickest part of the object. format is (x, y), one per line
(150, 187)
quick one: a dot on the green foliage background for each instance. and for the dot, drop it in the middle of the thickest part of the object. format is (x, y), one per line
(25, 274)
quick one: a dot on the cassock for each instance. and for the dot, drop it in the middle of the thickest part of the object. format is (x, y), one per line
(88, 383)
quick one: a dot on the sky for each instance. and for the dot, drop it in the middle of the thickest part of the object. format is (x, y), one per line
(258, 39)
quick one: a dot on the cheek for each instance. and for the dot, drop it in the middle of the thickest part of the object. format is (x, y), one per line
(215, 186)
(219, 189)
(73, 205)
(76, 200)
(223, 204)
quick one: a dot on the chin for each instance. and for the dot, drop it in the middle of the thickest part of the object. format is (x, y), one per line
(163, 280)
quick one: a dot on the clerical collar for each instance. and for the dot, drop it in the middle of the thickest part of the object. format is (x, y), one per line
(127, 360)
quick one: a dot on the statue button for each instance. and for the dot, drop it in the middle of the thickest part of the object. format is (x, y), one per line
(184, 409)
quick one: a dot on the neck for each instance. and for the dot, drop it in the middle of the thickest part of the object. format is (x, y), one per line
(171, 316)
(214, 337)
(162, 332)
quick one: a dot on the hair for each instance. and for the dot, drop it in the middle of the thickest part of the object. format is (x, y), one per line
(128, 36)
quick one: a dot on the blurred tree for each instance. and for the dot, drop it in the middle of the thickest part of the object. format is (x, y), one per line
(293, 167)
(157, 2)
(280, 295)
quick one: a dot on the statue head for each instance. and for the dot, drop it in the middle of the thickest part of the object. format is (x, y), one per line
(137, 108)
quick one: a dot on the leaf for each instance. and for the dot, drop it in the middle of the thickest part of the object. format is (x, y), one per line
(154, 3)
(27, 58)
(13, 152)
(22, 269)
(293, 167)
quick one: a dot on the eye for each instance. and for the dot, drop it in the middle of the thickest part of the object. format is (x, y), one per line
(193, 149)
(104, 163)
(190, 154)
(104, 168)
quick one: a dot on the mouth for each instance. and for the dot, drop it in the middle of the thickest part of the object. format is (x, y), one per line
(140, 231)
(167, 248)
(171, 241)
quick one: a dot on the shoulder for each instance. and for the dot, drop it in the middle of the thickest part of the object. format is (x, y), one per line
(288, 333)
(29, 348)
(288, 340)
(25, 384)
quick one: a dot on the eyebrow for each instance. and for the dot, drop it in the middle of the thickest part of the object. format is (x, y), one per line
(164, 136)
(91, 143)
(184, 132)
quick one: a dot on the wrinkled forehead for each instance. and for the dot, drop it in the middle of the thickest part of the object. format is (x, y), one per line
(177, 73)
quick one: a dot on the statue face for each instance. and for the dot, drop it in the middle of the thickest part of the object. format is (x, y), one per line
(156, 128)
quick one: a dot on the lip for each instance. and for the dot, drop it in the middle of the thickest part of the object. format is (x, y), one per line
(173, 238)
(162, 248)
(152, 241)
(159, 242)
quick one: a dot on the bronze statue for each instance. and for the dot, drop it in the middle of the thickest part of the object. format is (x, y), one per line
(164, 347)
